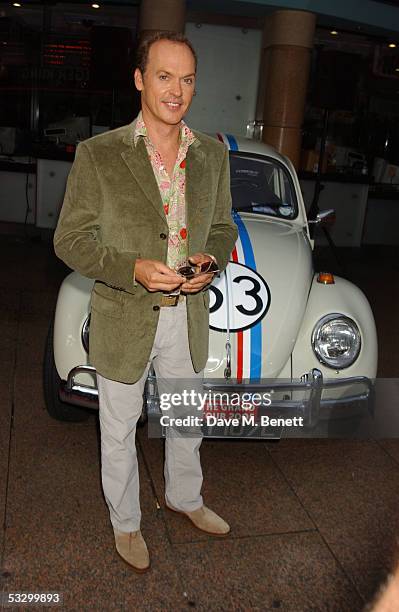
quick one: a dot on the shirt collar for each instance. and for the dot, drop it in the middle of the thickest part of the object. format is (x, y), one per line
(186, 135)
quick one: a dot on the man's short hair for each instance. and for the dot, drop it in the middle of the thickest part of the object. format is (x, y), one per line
(145, 46)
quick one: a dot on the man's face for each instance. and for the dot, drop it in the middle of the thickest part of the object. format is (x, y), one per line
(167, 86)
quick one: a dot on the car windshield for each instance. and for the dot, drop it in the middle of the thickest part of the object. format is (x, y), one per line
(261, 185)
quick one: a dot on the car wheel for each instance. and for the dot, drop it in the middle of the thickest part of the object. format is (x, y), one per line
(51, 383)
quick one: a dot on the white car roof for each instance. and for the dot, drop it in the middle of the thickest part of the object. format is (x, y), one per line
(249, 145)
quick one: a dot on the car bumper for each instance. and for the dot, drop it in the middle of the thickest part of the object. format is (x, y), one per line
(77, 394)
(309, 398)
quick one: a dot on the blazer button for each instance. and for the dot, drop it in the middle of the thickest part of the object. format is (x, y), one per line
(162, 236)
(155, 308)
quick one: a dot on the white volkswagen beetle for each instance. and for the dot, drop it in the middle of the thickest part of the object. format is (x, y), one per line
(271, 315)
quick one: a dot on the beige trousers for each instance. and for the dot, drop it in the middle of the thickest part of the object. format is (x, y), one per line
(120, 407)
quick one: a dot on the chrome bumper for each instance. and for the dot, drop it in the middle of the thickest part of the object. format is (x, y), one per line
(77, 394)
(312, 407)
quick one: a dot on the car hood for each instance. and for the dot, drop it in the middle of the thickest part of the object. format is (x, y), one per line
(260, 298)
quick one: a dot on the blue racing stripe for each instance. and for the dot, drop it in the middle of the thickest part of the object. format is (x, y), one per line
(245, 241)
(232, 142)
(256, 331)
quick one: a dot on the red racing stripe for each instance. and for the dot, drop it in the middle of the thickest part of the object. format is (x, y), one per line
(240, 338)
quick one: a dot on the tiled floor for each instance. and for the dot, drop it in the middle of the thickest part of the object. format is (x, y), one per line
(315, 523)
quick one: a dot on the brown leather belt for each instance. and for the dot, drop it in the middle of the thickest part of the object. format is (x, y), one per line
(171, 300)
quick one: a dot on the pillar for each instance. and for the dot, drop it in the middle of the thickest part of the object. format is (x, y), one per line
(288, 41)
(162, 15)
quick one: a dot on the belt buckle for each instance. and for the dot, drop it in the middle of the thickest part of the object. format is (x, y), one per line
(170, 300)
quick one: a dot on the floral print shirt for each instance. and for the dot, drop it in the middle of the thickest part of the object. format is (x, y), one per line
(172, 190)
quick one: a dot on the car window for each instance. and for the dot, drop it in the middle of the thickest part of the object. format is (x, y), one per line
(262, 185)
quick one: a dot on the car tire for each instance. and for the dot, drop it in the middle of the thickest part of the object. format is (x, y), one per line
(57, 409)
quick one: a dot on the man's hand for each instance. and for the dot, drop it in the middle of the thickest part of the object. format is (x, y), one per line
(156, 276)
(198, 282)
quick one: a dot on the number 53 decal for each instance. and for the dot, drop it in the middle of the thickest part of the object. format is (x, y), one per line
(249, 299)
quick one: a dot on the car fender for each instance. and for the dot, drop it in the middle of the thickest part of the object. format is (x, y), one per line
(345, 298)
(73, 306)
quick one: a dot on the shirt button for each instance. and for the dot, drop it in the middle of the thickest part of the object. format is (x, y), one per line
(163, 236)
(156, 308)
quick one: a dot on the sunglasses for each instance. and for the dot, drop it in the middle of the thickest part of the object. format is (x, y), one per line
(208, 267)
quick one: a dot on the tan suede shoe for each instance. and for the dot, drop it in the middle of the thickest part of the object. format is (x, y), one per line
(206, 520)
(133, 549)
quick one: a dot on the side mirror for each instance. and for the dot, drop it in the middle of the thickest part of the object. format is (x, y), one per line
(326, 217)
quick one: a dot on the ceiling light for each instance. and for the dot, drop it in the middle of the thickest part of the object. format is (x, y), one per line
(16, 4)
(95, 6)
(392, 45)
(334, 32)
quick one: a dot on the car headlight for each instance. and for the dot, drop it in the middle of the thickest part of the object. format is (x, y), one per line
(85, 334)
(336, 341)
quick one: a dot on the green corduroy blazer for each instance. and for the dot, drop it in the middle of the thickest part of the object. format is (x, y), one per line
(112, 214)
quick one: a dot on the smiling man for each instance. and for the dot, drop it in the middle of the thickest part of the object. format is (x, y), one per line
(143, 202)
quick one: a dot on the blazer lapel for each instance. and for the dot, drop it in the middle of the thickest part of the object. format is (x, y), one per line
(137, 160)
(195, 163)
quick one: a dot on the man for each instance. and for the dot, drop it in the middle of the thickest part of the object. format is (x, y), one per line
(141, 201)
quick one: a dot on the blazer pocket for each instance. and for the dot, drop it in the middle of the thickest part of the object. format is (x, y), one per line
(106, 300)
